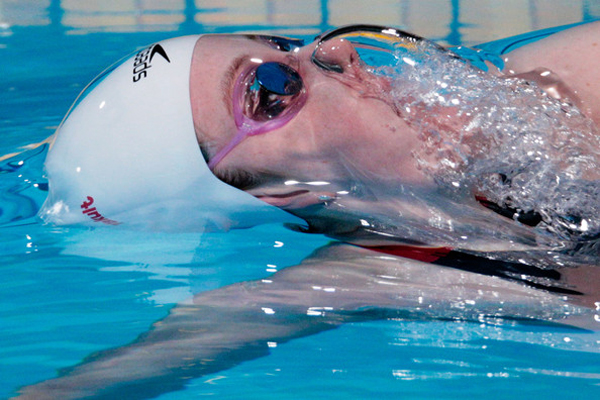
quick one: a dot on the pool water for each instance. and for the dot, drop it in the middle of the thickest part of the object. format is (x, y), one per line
(68, 292)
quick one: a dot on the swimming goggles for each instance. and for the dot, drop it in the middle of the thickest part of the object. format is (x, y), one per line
(268, 95)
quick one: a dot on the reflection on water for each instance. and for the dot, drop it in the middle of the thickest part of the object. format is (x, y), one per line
(456, 21)
(82, 291)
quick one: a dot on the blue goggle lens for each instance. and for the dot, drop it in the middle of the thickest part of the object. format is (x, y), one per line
(279, 79)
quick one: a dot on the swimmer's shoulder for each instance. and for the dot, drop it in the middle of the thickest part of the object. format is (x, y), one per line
(570, 54)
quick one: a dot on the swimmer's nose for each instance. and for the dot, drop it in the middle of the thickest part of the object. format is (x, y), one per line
(336, 55)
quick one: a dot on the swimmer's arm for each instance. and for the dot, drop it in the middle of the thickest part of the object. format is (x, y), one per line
(220, 329)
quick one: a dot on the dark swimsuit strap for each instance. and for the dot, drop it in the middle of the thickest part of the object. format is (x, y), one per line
(541, 278)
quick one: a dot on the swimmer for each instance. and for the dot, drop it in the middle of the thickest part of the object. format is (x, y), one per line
(295, 133)
(417, 151)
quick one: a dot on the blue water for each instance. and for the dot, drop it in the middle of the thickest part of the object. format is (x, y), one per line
(68, 292)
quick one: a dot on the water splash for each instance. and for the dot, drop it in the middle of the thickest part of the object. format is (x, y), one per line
(502, 139)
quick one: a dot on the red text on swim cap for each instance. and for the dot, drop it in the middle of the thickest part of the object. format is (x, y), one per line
(93, 213)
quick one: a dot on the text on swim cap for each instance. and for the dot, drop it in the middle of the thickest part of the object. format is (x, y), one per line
(93, 213)
(143, 61)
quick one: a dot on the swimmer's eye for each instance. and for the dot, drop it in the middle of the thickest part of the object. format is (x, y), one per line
(265, 97)
(270, 89)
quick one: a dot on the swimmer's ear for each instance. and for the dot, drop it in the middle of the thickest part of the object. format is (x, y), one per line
(296, 199)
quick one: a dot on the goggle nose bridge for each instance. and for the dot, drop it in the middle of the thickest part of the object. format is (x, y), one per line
(369, 38)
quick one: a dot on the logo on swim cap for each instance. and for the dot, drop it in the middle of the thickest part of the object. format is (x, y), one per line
(143, 61)
(158, 49)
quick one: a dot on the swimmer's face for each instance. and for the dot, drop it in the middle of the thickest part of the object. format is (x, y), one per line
(339, 129)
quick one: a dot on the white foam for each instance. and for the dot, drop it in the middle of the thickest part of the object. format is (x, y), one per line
(503, 138)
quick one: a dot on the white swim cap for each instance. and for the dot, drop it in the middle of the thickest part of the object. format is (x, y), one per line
(127, 154)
